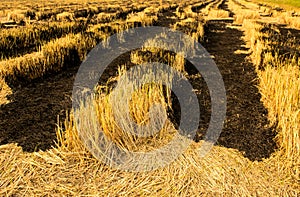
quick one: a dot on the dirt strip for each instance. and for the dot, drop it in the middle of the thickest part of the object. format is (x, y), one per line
(30, 118)
(247, 127)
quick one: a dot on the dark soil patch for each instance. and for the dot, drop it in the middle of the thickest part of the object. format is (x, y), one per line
(31, 118)
(246, 127)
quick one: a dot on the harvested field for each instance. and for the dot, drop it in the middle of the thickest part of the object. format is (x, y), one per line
(255, 46)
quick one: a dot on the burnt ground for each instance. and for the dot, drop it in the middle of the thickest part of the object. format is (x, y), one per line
(246, 126)
(31, 118)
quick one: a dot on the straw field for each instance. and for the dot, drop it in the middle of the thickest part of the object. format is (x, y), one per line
(45, 151)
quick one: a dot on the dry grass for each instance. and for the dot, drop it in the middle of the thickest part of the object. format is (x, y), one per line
(51, 58)
(279, 86)
(280, 89)
(215, 13)
(153, 54)
(65, 16)
(105, 17)
(192, 27)
(69, 169)
(249, 5)
(242, 13)
(118, 125)
(144, 18)
(246, 14)
(252, 11)
(58, 53)
(17, 16)
(287, 18)
(253, 36)
(16, 40)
